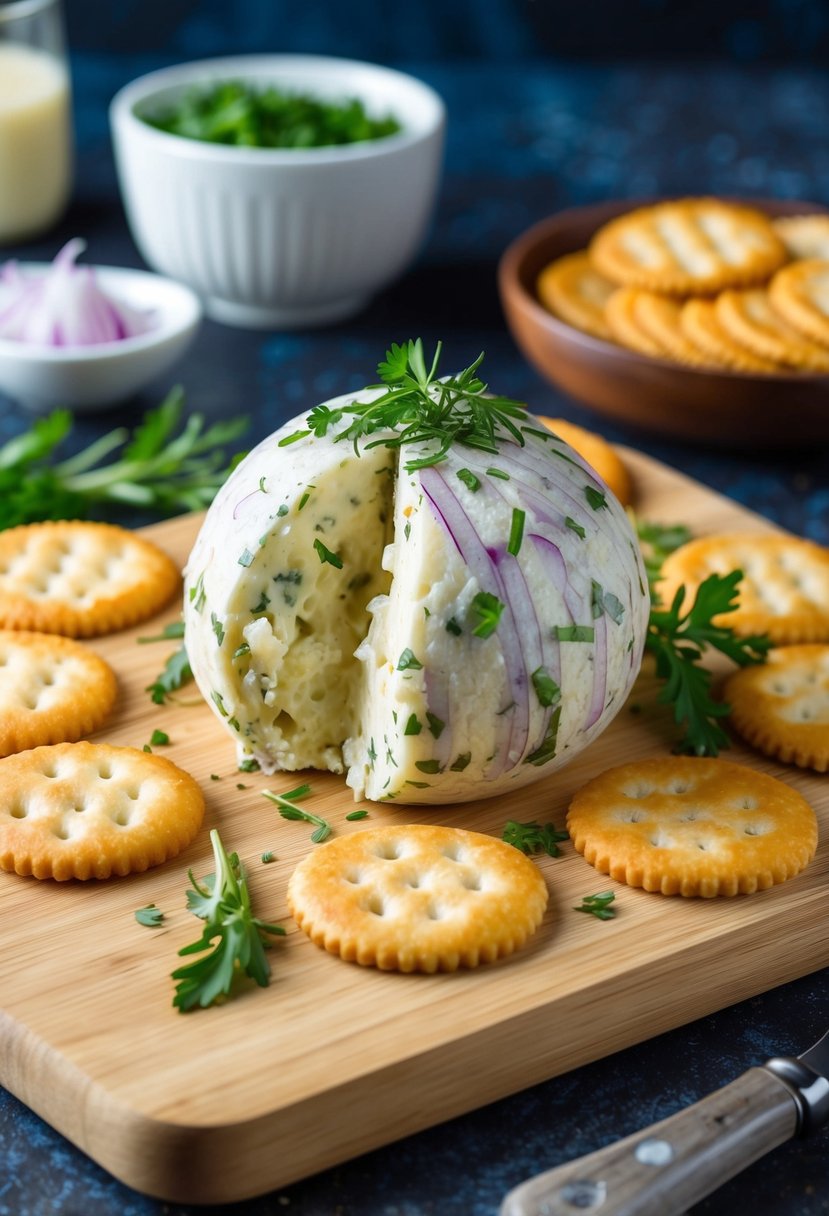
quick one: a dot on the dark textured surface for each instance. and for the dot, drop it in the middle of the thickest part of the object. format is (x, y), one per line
(523, 141)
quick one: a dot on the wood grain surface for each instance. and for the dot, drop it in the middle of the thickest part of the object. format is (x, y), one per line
(332, 1059)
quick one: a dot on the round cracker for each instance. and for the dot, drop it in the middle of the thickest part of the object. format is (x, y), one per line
(574, 291)
(800, 293)
(89, 810)
(413, 897)
(805, 236)
(751, 320)
(599, 454)
(698, 321)
(626, 325)
(659, 316)
(690, 246)
(52, 690)
(691, 826)
(781, 707)
(81, 579)
(784, 591)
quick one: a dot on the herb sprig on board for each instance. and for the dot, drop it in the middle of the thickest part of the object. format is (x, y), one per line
(678, 640)
(173, 676)
(160, 468)
(415, 406)
(288, 810)
(534, 837)
(233, 942)
(598, 905)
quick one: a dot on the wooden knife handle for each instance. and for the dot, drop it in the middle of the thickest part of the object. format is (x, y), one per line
(664, 1169)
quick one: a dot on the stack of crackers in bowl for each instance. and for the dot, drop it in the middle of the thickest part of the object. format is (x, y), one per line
(702, 282)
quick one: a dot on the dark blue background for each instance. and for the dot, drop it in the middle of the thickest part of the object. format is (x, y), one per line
(549, 104)
(498, 30)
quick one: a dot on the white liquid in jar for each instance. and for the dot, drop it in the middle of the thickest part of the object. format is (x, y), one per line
(35, 151)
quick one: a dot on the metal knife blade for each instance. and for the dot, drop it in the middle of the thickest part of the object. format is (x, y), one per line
(664, 1169)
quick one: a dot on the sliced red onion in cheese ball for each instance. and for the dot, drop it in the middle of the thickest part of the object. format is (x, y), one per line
(438, 634)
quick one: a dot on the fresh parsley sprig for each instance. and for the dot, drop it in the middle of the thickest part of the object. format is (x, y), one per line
(678, 641)
(288, 810)
(533, 837)
(656, 541)
(233, 941)
(157, 469)
(418, 407)
(174, 675)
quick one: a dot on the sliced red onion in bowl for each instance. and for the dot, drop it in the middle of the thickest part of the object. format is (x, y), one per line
(64, 306)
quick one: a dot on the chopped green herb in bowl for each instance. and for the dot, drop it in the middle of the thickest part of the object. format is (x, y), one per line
(303, 184)
(239, 113)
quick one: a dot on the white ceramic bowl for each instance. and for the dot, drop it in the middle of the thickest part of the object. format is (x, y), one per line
(94, 377)
(281, 238)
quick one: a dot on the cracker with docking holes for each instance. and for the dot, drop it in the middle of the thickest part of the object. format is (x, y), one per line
(805, 236)
(81, 579)
(751, 320)
(698, 321)
(52, 690)
(691, 246)
(89, 810)
(800, 293)
(626, 324)
(784, 591)
(599, 454)
(574, 291)
(691, 826)
(659, 317)
(781, 707)
(414, 897)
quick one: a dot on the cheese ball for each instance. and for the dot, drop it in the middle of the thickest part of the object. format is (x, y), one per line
(437, 633)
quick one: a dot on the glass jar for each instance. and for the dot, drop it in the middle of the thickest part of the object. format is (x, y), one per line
(35, 118)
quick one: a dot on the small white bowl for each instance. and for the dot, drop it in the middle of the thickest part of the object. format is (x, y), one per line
(281, 238)
(93, 377)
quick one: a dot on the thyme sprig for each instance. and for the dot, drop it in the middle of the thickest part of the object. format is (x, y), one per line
(416, 406)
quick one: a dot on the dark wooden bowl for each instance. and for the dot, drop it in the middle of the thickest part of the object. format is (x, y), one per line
(722, 408)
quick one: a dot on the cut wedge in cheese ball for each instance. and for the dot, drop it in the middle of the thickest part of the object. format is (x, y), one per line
(439, 629)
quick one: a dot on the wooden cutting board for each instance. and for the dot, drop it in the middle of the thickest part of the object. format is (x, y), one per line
(332, 1059)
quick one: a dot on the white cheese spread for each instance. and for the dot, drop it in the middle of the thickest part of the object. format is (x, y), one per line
(441, 634)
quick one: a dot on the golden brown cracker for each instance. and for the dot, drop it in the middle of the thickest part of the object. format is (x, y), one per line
(659, 316)
(89, 810)
(574, 291)
(81, 579)
(782, 706)
(626, 324)
(691, 246)
(800, 294)
(52, 690)
(691, 826)
(413, 897)
(751, 320)
(805, 236)
(784, 591)
(599, 454)
(699, 322)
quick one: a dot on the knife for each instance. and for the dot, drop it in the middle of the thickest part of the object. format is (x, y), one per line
(665, 1168)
